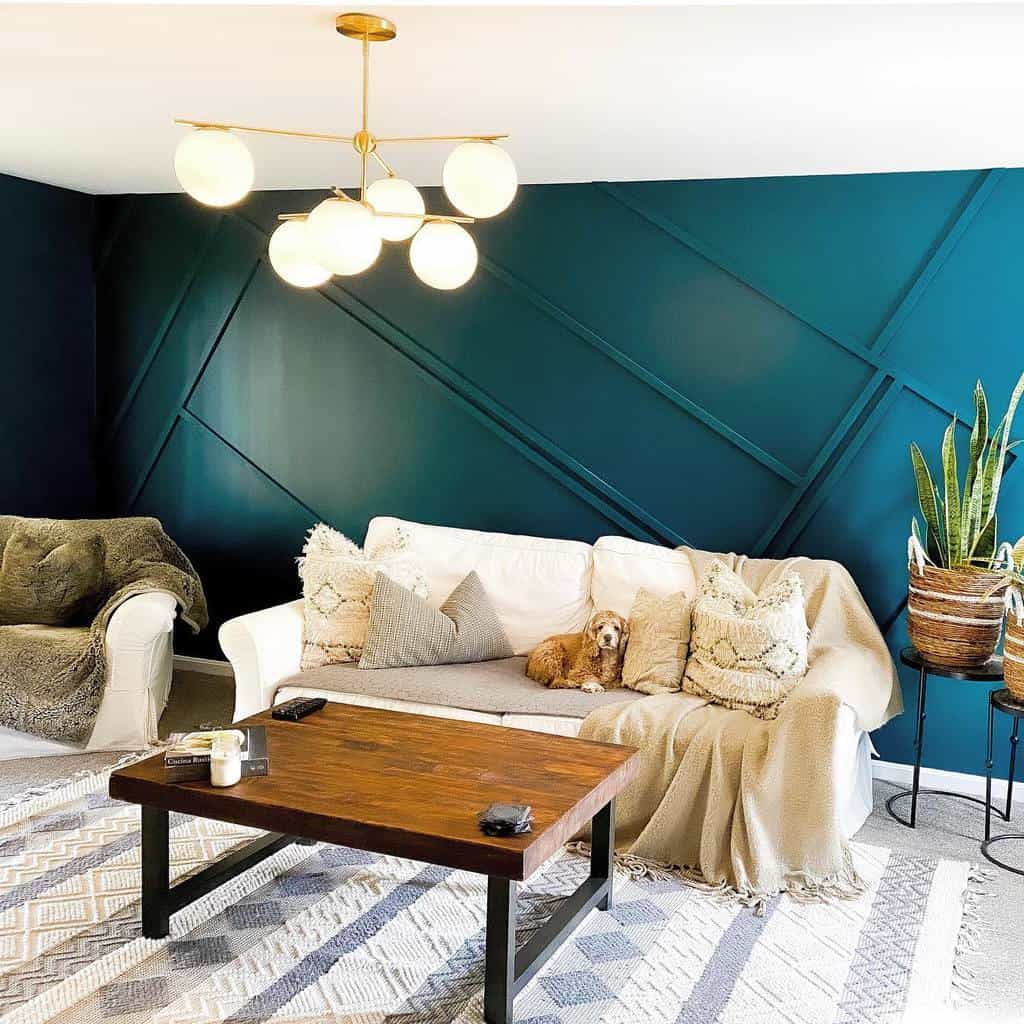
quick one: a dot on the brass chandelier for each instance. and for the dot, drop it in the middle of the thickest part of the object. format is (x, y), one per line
(343, 235)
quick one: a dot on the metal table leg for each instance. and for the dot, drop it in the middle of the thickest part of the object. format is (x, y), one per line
(507, 972)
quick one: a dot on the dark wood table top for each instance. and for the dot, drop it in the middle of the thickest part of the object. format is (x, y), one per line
(407, 785)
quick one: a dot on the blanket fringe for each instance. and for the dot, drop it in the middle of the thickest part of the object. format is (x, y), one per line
(844, 885)
(968, 944)
(20, 805)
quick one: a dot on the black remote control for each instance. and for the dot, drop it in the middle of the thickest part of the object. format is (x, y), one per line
(296, 708)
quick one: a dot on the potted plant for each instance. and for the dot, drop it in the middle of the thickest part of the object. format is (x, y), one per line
(955, 606)
(1011, 581)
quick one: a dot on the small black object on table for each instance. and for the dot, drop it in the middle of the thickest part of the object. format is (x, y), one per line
(1004, 701)
(990, 672)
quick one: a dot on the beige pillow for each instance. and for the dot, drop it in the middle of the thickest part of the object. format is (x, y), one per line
(659, 635)
(405, 631)
(337, 580)
(747, 650)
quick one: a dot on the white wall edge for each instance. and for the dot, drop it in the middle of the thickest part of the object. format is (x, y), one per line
(936, 778)
(211, 666)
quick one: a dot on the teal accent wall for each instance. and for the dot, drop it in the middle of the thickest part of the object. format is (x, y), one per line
(734, 364)
(47, 350)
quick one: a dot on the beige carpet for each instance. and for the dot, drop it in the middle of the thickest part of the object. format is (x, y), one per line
(947, 828)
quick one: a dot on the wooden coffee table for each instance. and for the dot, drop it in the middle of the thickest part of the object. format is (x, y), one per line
(409, 786)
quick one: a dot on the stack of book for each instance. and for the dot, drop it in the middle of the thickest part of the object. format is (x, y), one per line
(187, 756)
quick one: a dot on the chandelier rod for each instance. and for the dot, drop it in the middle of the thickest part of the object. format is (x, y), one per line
(452, 219)
(317, 136)
(365, 148)
(325, 137)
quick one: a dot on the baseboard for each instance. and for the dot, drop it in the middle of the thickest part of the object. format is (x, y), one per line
(211, 666)
(936, 778)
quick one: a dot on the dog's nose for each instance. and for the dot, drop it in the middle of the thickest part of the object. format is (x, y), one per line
(609, 637)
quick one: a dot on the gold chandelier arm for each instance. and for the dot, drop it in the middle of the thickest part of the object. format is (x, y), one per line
(401, 216)
(385, 166)
(444, 138)
(316, 136)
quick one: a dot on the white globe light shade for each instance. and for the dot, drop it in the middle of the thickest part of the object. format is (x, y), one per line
(396, 195)
(443, 255)
(291, 256)
(214, 166)
(480, 178)
(344, 236)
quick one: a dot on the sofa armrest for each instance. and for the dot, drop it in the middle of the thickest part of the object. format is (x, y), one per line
(139, 658)
(264, 648)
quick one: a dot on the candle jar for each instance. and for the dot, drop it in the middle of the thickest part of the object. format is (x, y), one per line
(226, 758)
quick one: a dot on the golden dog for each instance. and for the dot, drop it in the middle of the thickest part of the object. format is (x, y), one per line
(589, 661)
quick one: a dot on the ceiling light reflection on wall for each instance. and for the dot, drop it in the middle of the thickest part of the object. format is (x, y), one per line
(343, 235)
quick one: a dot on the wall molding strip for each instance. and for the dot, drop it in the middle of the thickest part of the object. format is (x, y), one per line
(969, 209)
(113, 233)
(186, 393)
(153, 349)
(188, 414)
(501, 421)
(937, 778)
(873, 357)
(718, 259)
(869, 392)
(835, 472)
(637, 370)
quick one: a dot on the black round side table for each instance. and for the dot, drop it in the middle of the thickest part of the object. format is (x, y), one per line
(990, 672)
(1004, 701)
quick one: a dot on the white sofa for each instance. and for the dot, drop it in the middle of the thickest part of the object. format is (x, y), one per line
(140, 658)
(538, 587)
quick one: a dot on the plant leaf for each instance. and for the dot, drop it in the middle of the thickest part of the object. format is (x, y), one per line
(979, 438)
(972, 507)
(952, 496)
(929, 503)
(985, 546)
(1002, 444)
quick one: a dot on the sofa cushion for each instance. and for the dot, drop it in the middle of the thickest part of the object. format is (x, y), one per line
(499, 687)
(622, 566)
(538, 586)
(404, 631)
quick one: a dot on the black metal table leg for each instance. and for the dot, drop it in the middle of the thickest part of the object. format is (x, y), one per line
(156, 873)
(1004, 701)
(602, 850)
(500, 962)
(160, 899)
(988, 772)
(507, 972)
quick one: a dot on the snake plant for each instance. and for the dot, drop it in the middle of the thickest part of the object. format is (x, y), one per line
(960, 522)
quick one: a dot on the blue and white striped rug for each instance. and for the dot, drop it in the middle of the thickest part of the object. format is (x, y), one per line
(328, 934)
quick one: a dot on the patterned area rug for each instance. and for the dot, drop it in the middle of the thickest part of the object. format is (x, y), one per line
(329, 934)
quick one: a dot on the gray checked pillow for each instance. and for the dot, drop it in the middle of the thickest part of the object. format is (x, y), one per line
(404, 631)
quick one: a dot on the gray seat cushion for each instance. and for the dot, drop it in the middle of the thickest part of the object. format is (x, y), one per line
(500, 687)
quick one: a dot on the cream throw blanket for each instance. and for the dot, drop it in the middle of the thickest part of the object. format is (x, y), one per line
(744, 804)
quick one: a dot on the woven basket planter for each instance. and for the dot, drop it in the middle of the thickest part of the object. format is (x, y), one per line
(951, 621)
(1013, 660)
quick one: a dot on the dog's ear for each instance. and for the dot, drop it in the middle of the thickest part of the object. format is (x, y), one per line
(624, 635)
(593, 627)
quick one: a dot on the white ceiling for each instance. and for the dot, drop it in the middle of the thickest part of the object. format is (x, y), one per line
(87, 92)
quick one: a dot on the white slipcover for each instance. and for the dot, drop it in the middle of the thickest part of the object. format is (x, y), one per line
(140, 660)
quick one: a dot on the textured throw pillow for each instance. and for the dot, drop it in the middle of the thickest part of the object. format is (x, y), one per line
(747, 650)
(337, 580)
(404, 631)
(49, 584)
(659, 635)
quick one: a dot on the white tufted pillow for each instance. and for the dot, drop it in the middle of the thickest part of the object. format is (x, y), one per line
(747, 650)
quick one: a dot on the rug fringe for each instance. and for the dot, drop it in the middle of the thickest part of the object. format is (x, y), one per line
(30, 801)
(846, 884)
(964, 985)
